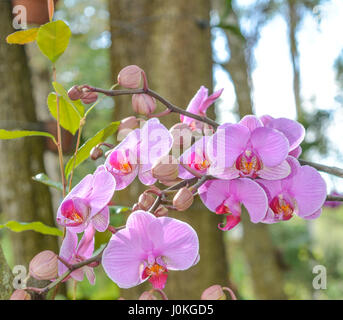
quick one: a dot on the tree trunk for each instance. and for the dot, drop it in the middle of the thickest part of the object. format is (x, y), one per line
(6, 278)
(21, 198)
(171, 41)
(257, 242)
(293, 23)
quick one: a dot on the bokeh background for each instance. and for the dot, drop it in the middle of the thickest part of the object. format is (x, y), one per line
(277, 57)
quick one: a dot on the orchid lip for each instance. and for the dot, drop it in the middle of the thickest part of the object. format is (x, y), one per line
(198, 161)
(73, 216)
(119, 161)
(156, 273)
(282, 208)
(248, 164)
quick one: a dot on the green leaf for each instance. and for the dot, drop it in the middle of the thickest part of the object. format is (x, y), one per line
(43, 178)
(23, 36)
(69, 119)
(84, 150)
(118, 209)
(6, 135)
(76, 104)
(34, 226)
(53, 39)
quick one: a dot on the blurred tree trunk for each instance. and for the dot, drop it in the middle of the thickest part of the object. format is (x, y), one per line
(294, 18)
(21, 198)
(257, 242)
(6, 277)
(171, 41)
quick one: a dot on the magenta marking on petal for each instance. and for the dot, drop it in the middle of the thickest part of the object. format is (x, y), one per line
(72, 213)
(231, 222)
(282, 209)
(248, 163)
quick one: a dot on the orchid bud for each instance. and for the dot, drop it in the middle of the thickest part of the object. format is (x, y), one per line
(145, 201)
(96, 153)
(20, 295)
(183, 199)
(165, 168)
(143, 104)
(74, 93)
(147, 295)
(43, 266)
(126, 126)
(161, 211)
(88, 97)
(182, 134)
(170, 183)
(214, 292)
(135, 207)
(130, 77)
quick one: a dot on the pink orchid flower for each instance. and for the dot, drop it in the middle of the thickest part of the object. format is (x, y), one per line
(293, 131)
(303, 193)
(148, 248)
(226, 197)
(87, 203)
(199, 105)
(241, 150)
(195, 158)
(136, 154)
(72, 252)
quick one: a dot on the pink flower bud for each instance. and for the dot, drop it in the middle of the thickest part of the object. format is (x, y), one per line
(130, 77)
(214, 292)
(88, 97)
(161, 211)
(145, 201)
(165, 168)
(96, 153)
(183, 199)
(136, 207)
(126, 126)
(182, 134)
(143, 104)
(170, 183)
(74, 93)
(147, 295)
(20, 295)
(43, 266)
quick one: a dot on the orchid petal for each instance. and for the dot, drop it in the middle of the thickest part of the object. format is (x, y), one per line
(271, 145)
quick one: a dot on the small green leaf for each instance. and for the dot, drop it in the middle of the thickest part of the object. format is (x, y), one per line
(34, 226)
(5, 134)
(118, 209)
(76, 104)
(43, 178)
(84, 150)
(69, 119)
(53, 39)
(22, 36)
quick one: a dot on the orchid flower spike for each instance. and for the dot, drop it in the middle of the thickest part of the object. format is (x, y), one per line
(302, 193)
(73, 252)
(87, 203)
(148, 248)
(136, 154)
(226, 196)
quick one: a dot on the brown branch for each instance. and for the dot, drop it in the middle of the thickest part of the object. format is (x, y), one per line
(71, 268)
(330, 170)
(169, 105)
